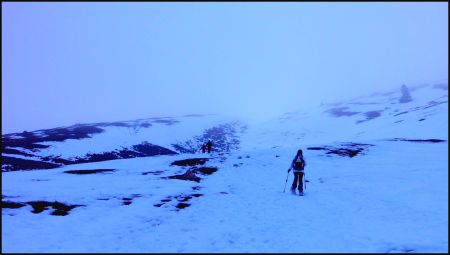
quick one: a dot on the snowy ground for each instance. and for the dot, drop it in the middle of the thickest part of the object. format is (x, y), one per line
(391, 199)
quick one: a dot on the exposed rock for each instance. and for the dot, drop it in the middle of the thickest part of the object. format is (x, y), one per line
(60, 208)
(188, 176)
(190, 162)
(12, 205)
(406, 96)
(13, 164)
(91, 171)
(418, 140)
(340, 111)
(206, 170)
(349, 149)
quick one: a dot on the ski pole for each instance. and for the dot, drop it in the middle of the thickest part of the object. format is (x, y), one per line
(286, 182)
(304, 177)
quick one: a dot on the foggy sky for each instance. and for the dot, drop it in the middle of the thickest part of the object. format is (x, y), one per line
(65, 63)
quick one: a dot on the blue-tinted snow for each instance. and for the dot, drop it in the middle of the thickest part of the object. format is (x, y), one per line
(392, 197)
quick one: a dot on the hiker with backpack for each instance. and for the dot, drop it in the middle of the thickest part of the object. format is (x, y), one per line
(203, 148)
(209, 145)
(298, 165)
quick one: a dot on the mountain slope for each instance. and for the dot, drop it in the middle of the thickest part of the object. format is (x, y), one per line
(83, 143)
(377, 185)
(377, 116)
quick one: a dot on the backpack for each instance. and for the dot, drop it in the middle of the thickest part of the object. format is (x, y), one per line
(299, 164)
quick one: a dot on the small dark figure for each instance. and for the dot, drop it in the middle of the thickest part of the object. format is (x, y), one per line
(203, 148)
(209, 145)
(298, 166)
(406, 96)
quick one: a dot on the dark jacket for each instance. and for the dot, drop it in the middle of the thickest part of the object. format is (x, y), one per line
(293, 162)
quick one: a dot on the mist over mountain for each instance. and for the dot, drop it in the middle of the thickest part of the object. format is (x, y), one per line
(382, 115)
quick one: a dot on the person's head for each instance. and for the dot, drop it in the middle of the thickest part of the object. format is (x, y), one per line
(300, 152)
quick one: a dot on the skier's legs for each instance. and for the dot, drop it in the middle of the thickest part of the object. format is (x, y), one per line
(294, 183)
(300, 181)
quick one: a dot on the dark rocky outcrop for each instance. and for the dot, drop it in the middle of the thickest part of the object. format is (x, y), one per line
(206, 170)
(182, 205)
(340, 111)
(189, 175)
(90, 171)
(347, 150)
(418, 140)
(181, 199)
(60, 209)
(370, 115)
(144, 149)
(13, 164)
(153, 172)
(12, 205)
(190, 162)
(406, 96)
(31, 140)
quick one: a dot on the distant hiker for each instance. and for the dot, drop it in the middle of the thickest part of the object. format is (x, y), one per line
(209, 145)
(298, 165)
(203, 148)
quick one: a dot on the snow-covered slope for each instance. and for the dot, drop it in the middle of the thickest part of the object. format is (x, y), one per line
(83, 143)
(377, 181)
(377, 116)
